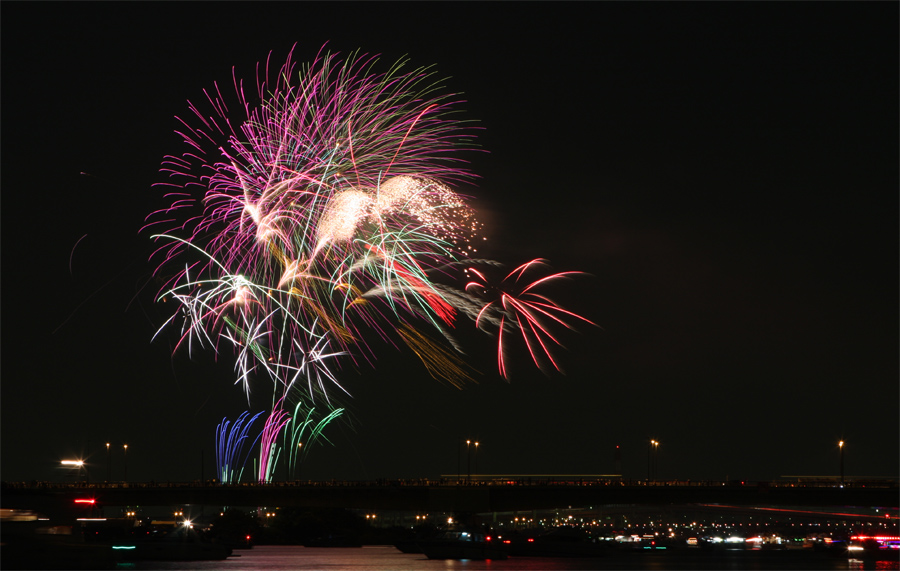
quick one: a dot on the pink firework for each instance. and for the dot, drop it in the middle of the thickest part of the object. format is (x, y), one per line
(295, 199)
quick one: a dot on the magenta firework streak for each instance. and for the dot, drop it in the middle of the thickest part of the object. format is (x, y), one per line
(317, 211)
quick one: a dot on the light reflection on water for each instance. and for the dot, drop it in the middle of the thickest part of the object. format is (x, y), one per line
(388, 558)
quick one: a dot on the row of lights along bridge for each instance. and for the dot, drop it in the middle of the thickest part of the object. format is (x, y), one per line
(471, 457)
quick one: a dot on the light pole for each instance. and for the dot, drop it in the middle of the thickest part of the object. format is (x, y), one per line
(299, 461)
(651, 446)
(468, 461)
(476, 460)
(125, 461)
(655, 459)
(108, 464)
(841, 446)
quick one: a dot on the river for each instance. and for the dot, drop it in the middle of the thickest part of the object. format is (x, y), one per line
(388, 558)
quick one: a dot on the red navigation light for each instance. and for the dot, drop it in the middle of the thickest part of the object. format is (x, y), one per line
(488, 538)
(91, 501)
(506, 541)
(248, 538)
(530, 540)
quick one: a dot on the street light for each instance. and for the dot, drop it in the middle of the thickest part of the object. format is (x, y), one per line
(468, 461)
(108, 464)
(125, 460)
(651, 446)
(459, 458)
(841, 446)
(476, 459)
(655, 460)
(299, 461)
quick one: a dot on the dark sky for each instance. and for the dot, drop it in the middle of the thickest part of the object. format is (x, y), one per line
(726, 173)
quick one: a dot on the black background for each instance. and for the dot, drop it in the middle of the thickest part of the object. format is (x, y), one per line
(726, 173)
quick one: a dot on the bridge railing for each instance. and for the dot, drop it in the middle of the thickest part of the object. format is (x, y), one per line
(454, 482)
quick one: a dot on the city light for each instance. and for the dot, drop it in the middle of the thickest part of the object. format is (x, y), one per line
(701, 526)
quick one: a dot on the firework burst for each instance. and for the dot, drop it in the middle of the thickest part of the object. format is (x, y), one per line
(332, 185)
(515, 304)
(316, 212)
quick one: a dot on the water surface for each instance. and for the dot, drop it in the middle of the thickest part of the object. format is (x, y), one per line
(388, 558)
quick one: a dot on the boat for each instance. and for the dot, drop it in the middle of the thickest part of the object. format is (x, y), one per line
(874, 548)
(408, 546)
(562, 542)
(463, 545)
(100, 544)
(179, 544)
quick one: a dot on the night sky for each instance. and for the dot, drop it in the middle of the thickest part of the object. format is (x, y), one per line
(726, 174)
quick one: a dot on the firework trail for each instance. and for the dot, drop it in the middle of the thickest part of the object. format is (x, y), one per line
(268, 445)
(314, 214)
(230, 441)
(530, 313)
(303, 426)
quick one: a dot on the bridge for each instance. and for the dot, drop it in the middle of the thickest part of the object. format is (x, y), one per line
(453, 496)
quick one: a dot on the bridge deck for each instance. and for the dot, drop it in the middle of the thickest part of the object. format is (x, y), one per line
(429, 496)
